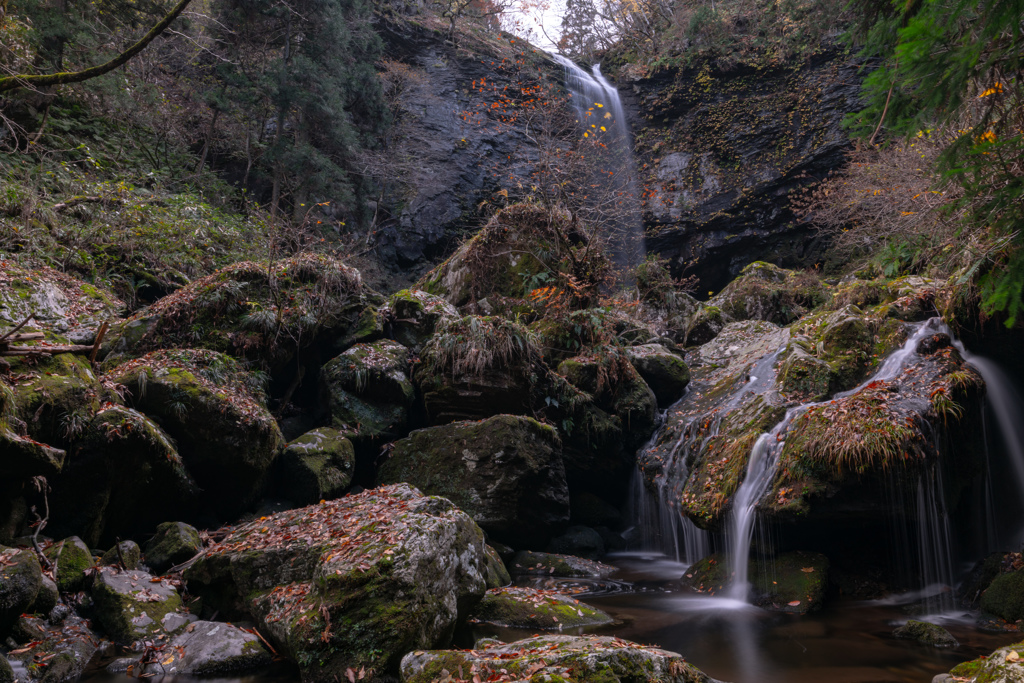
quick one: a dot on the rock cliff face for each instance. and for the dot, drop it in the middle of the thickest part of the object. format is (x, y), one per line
(720, 151)
(453, 149)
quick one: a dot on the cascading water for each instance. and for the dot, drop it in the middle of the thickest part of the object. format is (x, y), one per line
(764, 458)
(1008, 407)
(603, 118)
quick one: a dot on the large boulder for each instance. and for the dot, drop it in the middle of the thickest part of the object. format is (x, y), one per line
(349, 583)
(216, 413)
(21, 578)
(125, 478)
(210, 648)
(368, 390)
(505, 471)
(555, 658)
(132, 604)
(316, 466)
(475, 367)
(265, 312)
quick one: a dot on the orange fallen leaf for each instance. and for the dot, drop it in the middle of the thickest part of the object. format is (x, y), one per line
(794, 603)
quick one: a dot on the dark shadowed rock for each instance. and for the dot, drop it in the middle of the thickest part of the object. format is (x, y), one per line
(505, 471)
(174, 543)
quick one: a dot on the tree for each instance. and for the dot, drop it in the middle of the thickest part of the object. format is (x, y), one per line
(300, 74)
(14, 82)
(959, 64)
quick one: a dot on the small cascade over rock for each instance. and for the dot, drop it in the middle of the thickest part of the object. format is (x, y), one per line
(764, 459)
(603, 119)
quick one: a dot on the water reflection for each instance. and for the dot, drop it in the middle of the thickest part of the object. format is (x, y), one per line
(847, 642)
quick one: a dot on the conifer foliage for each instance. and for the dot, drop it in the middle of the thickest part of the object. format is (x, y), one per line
(959, 64)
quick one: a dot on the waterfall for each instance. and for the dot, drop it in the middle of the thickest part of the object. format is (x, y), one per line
(1006, 404)
(603, 119)
(658, 526)
(764, 458)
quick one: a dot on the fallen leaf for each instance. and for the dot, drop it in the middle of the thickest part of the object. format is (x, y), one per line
(1013, 656)
(807, 570)
(794, 603)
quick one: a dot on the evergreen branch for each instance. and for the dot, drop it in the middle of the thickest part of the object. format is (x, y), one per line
(40, 80)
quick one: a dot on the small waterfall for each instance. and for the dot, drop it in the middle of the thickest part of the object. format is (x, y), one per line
(603, 118)
(764, 458)
(657, 525)
(1006, 404)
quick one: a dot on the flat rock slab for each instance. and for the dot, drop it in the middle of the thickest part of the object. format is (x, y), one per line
(553, 658)
(515, 607)
(132, 604)
(552, 564)
(209, 648)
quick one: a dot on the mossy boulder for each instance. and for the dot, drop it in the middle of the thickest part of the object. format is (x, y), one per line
(665, 372)
(174, 543)
(1005, 665)
(568, 659)
(617, 415)
(317, 466)
(412, 315)
(61, 306)
(522, 248)
(216, 413)
(926, 634)
(130, 604)
(71, 557)
(353, 582)
(766, 292)
(529, 608)
(505, 471)
(125, 478)
(126, 555)
(6, 672)
(21, 578)
(790, 582)
(475, 367)
(57, 653)
(834, 446)
(264, 312)
(58, 396)
(553, 564)
(1004, 597)
(368, 390)
(211, 648)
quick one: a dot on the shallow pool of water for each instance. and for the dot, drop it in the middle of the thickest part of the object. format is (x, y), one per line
(846, 642)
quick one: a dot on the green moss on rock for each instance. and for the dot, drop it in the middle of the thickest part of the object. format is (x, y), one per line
(71, 557)
(505, 471)
(129, 605)
(174, 543)
(529, 608)
(316, 466)
(1004, 597)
